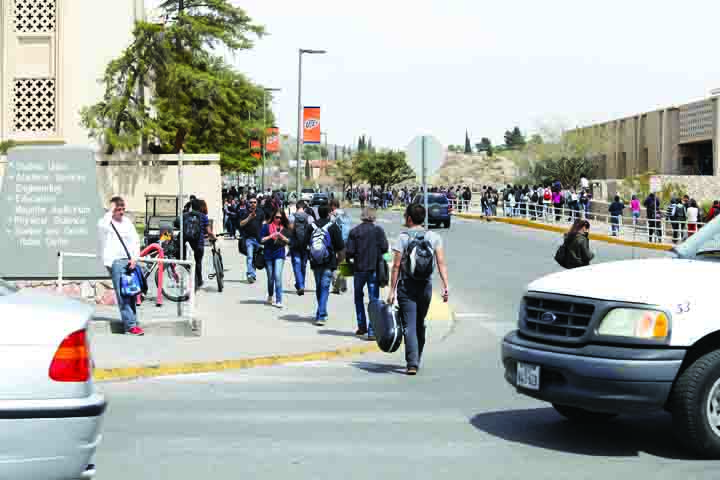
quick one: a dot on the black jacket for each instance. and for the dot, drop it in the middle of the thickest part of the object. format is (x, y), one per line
(335, 239)
(578, 250)
(366, 243)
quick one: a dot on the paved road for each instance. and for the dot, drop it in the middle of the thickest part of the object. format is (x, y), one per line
(362, 418)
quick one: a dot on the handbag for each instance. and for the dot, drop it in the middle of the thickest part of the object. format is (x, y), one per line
(259, 259)
(137, 272)
(561, 255)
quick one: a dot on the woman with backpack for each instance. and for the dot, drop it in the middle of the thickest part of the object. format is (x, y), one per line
(575, 250)
(274, 236)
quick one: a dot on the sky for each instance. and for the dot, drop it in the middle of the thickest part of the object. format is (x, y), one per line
(399, 68)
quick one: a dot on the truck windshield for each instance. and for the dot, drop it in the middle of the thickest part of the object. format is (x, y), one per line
(704, 245)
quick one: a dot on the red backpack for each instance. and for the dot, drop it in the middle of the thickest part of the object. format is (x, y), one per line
(547, 195)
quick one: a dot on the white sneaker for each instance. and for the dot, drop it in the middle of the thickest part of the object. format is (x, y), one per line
(278, 305)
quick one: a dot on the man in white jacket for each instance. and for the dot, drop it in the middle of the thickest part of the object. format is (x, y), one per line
(115, 257)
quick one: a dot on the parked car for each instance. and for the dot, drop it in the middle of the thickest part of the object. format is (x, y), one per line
(307, 194)
(439, 208)
(319, 199)
(50, 412)
(595, 348)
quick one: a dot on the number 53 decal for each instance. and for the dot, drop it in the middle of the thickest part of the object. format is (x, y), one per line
(682, 308)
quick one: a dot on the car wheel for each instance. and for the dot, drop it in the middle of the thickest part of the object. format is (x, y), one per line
(447, 223)
(580, 415)
(695, 401)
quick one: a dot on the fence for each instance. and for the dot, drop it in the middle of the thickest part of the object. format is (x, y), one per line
(659, 230)
(184, 309)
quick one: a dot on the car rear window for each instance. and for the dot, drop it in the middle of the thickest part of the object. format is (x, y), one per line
(433, 198)
(6, 288)
(308, 190)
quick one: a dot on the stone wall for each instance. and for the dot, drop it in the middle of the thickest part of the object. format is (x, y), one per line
(99, 292)
(698, 187)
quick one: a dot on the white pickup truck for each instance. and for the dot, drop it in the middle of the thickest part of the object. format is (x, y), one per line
(627, 337)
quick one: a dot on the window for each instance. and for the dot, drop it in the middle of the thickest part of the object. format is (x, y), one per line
(35, 16)
(33, 109)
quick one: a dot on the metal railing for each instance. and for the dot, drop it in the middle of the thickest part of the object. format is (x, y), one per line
(160, 261)
(630, 227)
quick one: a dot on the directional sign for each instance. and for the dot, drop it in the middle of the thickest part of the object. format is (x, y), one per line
(434, 154)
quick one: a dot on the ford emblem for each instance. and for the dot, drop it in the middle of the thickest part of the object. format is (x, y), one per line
(548, 317)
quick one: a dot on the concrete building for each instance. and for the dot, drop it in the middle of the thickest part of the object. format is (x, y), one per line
(54, 53)
(677, 140)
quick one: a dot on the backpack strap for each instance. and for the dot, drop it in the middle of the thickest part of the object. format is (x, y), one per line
(127, 252)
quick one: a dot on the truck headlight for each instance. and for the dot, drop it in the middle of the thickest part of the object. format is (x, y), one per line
(636, 323)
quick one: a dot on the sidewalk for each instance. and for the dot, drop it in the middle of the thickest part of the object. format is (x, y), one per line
(236, 325)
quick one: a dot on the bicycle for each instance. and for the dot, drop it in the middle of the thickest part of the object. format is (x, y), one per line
(176, 280)
(218, 272)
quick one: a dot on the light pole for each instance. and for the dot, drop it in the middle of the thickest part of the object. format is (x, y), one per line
(300, 113)
(264, 134)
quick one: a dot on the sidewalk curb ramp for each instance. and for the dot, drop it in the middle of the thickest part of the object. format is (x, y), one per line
(439, 312)
(554, 228)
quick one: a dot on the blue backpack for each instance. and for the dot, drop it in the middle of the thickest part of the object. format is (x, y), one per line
(344, 222)
(320, 244)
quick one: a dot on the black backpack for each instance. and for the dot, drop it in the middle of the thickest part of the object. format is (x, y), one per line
(192, 227)
(300, 231)
(680, 212)
(418, 261)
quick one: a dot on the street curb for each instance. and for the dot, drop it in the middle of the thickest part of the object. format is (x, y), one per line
(151, 371)
(552, 228)
(439, 312)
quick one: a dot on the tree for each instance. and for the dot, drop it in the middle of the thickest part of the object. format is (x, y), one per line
(514, 139)
(384, 169)
(345, 171)
(536, 139)
(568, 170)
(362, 144)
(370, 146)
(468, 148)
(485, 145)
(197, 103)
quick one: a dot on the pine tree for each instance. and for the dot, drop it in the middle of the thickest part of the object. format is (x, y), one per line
(468, 147)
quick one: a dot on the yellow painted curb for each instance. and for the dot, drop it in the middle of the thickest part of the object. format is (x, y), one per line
(554, 228)
(132, 373)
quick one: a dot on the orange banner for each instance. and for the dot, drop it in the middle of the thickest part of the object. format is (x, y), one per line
(255, 145)
(311, 126)
(272, 141)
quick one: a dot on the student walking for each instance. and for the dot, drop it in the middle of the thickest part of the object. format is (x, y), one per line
(300, 224)
(635, 208)
(616, 210)
(693, 213)
(366, 245)
(120, 248)
(577, 245)
(325, 244)
(416, 252)
(251, 223)
(274, 237)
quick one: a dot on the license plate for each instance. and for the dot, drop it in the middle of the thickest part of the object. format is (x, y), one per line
(528, 376)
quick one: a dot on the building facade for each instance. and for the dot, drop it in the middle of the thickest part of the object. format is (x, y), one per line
(54, 53)
(677, 140)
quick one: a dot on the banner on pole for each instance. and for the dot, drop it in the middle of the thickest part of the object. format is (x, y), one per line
(255, 146)
(311, 126)
(272, 136)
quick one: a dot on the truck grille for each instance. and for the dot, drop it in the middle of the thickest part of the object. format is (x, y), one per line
(564, 320)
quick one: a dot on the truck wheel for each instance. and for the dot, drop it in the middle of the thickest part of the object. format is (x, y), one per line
(581, 415)
(695, 401)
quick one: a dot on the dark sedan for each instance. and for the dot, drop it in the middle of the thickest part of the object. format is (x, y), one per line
(320, 199)
(439, 208)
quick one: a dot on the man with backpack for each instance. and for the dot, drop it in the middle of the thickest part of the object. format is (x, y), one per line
(325, 244)
(301, 224)
(416, 252)
(678, 215)
(366, 246)
(251, 222)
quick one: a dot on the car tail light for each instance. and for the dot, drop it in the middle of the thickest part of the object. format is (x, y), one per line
(71, 362)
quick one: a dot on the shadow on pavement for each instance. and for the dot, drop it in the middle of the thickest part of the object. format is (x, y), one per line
(622, 437)
(297, 318)
(252, 302)
(379, 368)
(237, 281)
(337, 333)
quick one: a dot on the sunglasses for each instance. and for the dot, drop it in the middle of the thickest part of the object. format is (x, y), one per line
(278, 218)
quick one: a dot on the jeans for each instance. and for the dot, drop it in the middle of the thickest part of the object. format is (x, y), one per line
(360, 280)
(199, 252)
(615, 222)
(636, 217)
(414, 300)
(274, 269)
(128, 312)
(252, 244)
(299, 264)
(323, 279)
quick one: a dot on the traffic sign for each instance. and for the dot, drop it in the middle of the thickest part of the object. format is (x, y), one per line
(434, 154)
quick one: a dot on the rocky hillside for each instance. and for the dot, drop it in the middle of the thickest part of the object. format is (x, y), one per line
(476, 169)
